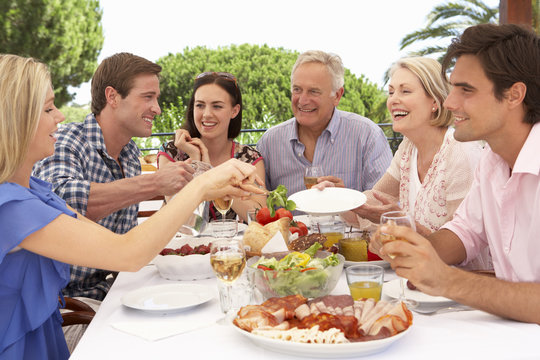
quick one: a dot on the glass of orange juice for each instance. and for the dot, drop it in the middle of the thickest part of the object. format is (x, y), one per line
(331, 227)
(365, 281)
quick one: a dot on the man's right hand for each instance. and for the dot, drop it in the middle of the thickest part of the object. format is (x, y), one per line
(173, 176)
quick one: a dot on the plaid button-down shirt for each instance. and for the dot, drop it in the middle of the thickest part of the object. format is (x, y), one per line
(81, 158)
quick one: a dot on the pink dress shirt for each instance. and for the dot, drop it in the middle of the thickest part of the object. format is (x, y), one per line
(502, 211)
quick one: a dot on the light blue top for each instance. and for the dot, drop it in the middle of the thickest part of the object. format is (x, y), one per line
(30, 320)
(352, 148)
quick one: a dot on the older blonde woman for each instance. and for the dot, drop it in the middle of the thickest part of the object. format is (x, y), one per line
(431, 172)
(41, 235)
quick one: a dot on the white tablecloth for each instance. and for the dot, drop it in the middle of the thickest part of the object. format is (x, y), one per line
(458, 335)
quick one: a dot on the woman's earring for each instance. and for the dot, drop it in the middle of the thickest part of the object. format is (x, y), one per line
(434, 109)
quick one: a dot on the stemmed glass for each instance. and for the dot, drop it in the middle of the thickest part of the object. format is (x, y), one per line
(311, 174)
(222, 206)
(228, 260)
(398, 218)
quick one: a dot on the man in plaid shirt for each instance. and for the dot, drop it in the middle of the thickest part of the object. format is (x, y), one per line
(95, 167)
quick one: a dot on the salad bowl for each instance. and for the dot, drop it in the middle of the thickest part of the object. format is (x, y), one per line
(288, 273)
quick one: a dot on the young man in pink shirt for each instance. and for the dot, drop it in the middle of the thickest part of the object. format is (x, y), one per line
(495, 97)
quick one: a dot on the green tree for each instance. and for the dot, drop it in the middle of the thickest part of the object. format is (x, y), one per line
(263, 75)
(65, 34)
(75, 113)
(448, 20)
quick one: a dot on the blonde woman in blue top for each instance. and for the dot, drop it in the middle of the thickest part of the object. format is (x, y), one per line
(41, 235)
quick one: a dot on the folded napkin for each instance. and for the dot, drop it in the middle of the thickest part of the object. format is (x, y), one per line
(159, 328)
(275, 244)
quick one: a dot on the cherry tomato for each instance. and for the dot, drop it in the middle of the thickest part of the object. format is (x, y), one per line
(294, 229)
(303, 228)
(282, 212)
(372, 256)
(263, 216)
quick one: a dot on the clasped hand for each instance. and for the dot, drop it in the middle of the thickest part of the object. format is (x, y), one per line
(232, 179)
(193, 147)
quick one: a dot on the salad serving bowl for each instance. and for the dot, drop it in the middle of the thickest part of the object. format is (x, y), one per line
(318, 277)
(189, 267)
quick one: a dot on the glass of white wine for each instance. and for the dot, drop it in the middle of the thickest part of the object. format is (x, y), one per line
(311, 174)
(228, 260)
(398, 218)
(223, 206)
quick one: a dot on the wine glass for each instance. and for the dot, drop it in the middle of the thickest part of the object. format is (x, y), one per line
(223, 206)
(398, 218)
(228, 260)
(311, 174)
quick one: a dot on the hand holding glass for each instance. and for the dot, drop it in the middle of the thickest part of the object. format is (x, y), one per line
(311, 174)
(398, 218)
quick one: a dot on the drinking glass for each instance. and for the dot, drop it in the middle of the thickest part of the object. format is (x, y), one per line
(365, 281)
(311, 174)
(228, 260)
(398, 218)
(331, 227)
(222, 206)
(226, 228)
(251, 216)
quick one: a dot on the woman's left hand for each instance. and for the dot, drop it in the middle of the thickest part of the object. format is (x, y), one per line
(184, 143)
(203, 150)
(373, 212)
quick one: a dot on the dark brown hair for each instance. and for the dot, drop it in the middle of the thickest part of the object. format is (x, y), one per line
(231, 87)
(508, 54)
(118, 71)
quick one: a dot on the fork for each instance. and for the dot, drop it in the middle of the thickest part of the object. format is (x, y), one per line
(446, 309)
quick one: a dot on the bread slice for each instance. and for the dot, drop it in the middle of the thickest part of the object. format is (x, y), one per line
(256, 236)
(281, 225)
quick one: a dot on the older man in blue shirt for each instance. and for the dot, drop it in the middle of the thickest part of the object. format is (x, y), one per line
(351, 149)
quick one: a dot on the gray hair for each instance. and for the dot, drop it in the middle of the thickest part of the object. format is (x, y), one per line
(332, 62)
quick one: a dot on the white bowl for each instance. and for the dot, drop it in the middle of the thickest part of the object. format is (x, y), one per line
(189, 267)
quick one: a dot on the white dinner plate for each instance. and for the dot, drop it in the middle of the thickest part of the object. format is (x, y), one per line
(329, 201)
(327, 351)
(392, 290)
(167, 298)
(385, 264)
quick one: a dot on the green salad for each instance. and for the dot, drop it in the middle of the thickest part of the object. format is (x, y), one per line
(298, 272)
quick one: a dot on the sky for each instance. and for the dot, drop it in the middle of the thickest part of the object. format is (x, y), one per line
(364, 33)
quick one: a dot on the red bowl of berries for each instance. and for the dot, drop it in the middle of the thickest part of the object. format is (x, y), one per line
(185, 263)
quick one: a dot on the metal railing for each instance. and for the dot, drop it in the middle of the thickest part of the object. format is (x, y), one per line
(394, 138)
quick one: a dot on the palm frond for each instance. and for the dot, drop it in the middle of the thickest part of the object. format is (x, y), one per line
(430, 50)
(450, 19)
(451, 30)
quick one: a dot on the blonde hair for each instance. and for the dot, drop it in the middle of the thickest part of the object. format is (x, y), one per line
(332, 62)
(435, 85)
(23, 87)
